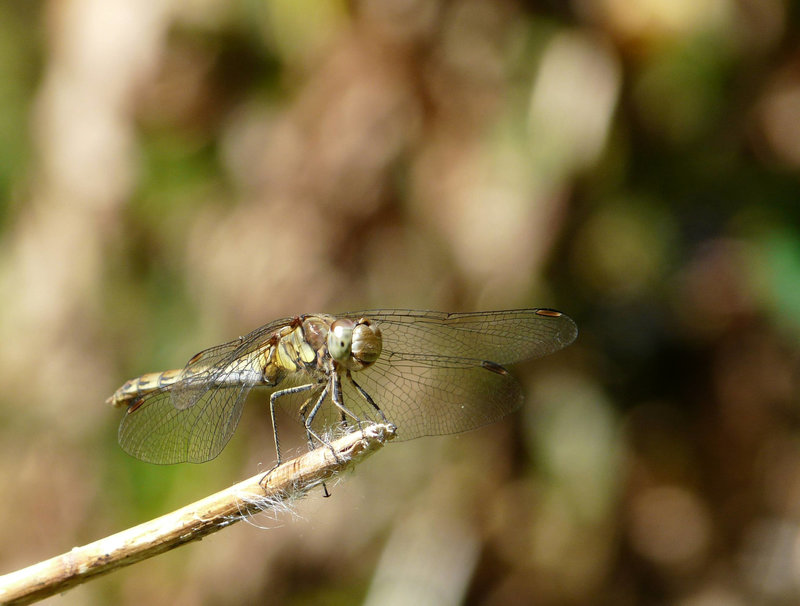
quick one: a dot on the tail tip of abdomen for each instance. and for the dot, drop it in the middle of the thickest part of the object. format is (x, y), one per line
(114, 401)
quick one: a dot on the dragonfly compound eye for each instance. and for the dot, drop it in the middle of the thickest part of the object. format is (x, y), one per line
(367, 343)
(340, 339)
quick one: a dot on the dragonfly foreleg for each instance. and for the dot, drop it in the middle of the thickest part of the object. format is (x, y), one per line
(367, 397)
(272, 400)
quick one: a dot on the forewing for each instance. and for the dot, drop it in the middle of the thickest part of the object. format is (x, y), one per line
(503, 337)
(444, 373)
(216, 365)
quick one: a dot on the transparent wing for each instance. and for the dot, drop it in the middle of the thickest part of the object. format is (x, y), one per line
(195, 418)
(422, 397)
(213, 366)
(426, 396)
(443, 373)
(502, 337)
(154, 430)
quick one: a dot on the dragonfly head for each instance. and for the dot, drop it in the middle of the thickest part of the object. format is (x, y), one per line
(356, 345)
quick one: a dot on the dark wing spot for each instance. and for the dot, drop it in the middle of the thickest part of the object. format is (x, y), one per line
(194, 359)
(135, 405)
(550, 313)
(496, 368)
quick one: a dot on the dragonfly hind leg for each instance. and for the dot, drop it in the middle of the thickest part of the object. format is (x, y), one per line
(272, 401)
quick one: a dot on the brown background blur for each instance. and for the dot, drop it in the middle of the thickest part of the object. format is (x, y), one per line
(175, 174)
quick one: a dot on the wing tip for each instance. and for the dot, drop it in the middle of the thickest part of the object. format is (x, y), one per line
(568, 332)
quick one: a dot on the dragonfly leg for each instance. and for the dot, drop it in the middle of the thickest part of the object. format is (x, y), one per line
(367, 397)
(339, 403)
(272, 400)
(304, 408)
(308, 420)
(309, 432)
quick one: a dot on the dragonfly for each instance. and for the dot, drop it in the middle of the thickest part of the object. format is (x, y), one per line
(424, 372)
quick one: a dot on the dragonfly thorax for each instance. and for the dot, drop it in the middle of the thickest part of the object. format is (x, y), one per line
(355, 345)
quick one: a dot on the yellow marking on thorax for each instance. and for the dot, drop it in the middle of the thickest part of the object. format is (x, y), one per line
(292, 350)
(284, 357)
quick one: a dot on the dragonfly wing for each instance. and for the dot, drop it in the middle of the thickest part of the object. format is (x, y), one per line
(193, 419)
(422, 395)
(426, 395)
(217, 365)
(503, 337)
(202, 373)
(154, 430)
(443, 373)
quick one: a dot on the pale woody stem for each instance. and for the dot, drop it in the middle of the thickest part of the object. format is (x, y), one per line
(262, 491)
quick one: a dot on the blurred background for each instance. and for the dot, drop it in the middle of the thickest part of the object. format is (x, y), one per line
(175, 174)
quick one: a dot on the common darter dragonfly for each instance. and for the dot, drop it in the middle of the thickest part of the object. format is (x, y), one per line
(426, 372)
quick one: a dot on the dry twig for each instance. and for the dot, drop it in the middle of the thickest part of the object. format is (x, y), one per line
(288, 481)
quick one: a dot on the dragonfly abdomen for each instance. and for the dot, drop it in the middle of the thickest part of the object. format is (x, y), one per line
(256, 372)
(145, 384)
